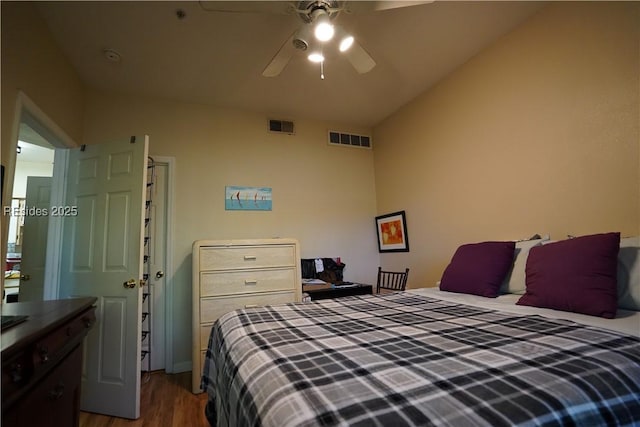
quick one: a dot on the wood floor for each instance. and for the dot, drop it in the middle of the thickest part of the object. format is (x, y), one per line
(165, 401)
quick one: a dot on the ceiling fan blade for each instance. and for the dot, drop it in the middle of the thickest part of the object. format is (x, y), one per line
(373, 6)
(281, 58)
(360, 58)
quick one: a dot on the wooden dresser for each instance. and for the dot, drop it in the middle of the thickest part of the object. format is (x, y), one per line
(233, 274)
(42, 361)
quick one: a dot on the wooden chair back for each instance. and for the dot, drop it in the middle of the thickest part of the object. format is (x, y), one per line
(392, 280)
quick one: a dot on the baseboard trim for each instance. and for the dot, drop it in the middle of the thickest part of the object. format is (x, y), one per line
(182, 367)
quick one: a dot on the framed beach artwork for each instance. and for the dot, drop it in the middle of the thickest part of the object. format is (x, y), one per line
(392, 232)
(238, 198)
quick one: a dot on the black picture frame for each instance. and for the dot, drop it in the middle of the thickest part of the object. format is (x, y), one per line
(392, 232)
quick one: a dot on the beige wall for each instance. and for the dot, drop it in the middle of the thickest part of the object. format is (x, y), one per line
(33, 64)
(537, 134)
(324, 196)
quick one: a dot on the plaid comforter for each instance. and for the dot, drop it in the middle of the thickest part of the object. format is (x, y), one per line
(404, 359)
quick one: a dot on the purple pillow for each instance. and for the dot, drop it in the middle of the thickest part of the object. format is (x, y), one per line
(478, 268)
(577, 275)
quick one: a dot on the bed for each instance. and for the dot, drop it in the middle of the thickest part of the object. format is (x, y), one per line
(422, 357)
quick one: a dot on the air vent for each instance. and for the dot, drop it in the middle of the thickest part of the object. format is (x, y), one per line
(281, 126)
(349, 139)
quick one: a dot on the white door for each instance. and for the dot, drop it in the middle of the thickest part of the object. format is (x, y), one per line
(102, 256)
(34, 239)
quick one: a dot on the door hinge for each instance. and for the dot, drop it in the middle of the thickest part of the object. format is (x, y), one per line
(132, 140)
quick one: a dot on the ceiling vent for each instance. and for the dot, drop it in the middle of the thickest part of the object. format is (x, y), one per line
(281, 126)
(349, 139)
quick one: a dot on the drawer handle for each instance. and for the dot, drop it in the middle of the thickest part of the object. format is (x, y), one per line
(250, 282)
(44, 354)
(57, 391)
(249, 257)
(16, 372)
(251, 306)
(87, 322)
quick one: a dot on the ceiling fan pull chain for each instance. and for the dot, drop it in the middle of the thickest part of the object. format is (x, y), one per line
(322, 70)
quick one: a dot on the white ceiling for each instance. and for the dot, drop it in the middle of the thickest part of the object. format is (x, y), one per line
(33, 153)
(217, 58)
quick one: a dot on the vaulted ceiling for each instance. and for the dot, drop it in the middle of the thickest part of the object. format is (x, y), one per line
(213, 52)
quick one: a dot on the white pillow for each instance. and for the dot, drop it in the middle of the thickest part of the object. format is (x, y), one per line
(629, 273)
(515, 282)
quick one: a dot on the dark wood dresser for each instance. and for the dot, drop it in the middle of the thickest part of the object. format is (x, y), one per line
(42, 361)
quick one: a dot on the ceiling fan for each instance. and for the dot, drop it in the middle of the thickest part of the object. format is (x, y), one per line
(318, 31)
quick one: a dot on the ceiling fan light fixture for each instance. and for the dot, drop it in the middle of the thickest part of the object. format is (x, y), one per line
(316, 57)
(301, 39)
(324, 30)
(346, 42)
(318, 33)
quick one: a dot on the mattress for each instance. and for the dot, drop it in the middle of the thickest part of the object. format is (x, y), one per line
(626, 321)
(410, 359)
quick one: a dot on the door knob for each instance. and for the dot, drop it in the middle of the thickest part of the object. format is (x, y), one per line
(159, 274)
(25, 277)
(129, 284)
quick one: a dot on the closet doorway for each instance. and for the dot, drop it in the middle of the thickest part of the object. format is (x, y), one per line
(160, 318)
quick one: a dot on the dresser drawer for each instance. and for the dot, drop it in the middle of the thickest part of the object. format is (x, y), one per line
(241, 257)
(52, 347)
(205, 332)
(214, 307)
(16, 375)
(54, 401)
(249, 281)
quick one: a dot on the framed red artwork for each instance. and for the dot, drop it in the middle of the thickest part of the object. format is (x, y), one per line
(392, 232)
